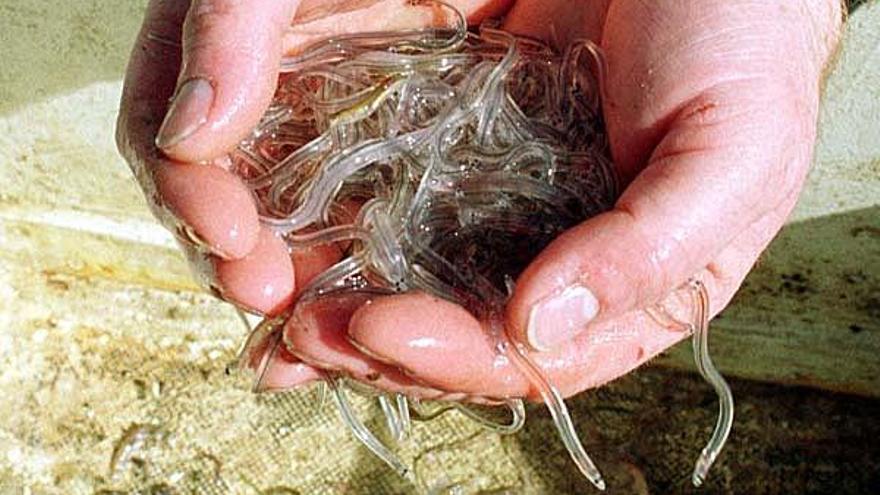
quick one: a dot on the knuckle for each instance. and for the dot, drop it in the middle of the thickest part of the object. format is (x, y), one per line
(215, 30)
(205, 15)
(648, 275)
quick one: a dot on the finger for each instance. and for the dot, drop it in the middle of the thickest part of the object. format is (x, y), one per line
(444, 346)
(725, 125)
(627, 350)
(273, 273)
(268, 278)
(435, 340)
(261, 281)
(317, 334)
(210, 204)
(318, 19)
(219, 214)
(723, 163)
(231, 52)
(312, 262)
(284, 372)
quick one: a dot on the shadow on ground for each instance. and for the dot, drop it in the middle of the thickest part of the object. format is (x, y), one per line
(646, 430)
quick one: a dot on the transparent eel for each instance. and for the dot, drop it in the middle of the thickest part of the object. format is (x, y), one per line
(706, 368)
(698, 328)
(392, 418)
(519, 356)
(403, 413)
(516, 408)
(361, 432)
(517, 417)
(259, 347)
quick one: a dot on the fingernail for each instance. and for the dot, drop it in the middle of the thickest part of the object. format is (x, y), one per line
(187, 113)
(560, 317)
(187, 235)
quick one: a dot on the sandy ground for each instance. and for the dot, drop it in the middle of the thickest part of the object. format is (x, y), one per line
(114, 368)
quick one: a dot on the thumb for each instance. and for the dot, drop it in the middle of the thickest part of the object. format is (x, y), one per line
(723, 164)
(231, 53)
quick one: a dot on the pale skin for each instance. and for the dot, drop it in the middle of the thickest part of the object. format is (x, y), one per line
(711, 108)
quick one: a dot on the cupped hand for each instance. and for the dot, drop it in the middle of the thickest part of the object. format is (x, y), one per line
(200, 76)
(711, 109)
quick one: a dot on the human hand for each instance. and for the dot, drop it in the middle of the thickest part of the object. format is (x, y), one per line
(711, 102)
(200, 77)
(711, 109)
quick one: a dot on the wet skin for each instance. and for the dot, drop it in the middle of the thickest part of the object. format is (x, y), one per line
(711, 108)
